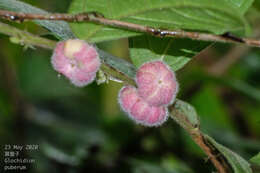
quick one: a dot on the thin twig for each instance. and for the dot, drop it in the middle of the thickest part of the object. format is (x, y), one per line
(200, 141)
(99, 19)
(26, 38)
(197, 137)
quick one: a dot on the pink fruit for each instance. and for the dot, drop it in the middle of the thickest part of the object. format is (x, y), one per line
(157, 116)
(157, 84)
(127, 98)
(147, 115)
(77, 60)
(139, 110)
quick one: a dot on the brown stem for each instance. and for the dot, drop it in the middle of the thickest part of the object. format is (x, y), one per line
(99, 19)
(197, 137)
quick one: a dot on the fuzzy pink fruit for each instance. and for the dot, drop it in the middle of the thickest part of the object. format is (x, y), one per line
(157, 84)
(127, 98)
(77, 60)
(148, 115)
(139, 110)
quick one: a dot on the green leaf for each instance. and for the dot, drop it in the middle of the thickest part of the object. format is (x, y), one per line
(205, 15)
(58, 28)
(183, 111)
(238, 164)
(256, 159)
(257, 5)
(174, 52)
(241, 5)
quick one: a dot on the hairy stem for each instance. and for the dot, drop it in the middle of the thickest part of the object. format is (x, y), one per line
(26, 38)
(99, 19)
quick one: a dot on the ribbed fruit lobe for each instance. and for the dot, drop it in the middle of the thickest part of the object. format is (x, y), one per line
(77, 60)
(157, 84)
(139, 110)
